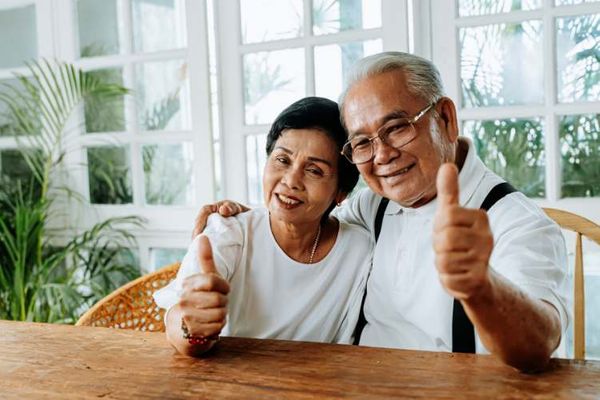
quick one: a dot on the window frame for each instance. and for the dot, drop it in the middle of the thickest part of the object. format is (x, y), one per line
(446, 55)
(167, 226)
(394, 36)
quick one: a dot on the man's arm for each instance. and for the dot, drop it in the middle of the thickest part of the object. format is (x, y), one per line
(521, 330)
(202, 307)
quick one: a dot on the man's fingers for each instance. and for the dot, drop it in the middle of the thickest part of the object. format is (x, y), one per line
(205, 256)
(455, 238)
(230, 208)
(455, 216)
(225, 208)
(447, 185)
(202, 218)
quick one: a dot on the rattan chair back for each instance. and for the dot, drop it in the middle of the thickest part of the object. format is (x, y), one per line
(132, 305)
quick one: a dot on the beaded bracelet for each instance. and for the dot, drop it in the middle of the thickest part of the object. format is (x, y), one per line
(193, 339)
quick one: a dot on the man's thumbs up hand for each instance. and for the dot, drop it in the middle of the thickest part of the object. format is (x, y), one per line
(447, 185)
(462, 240)
(204, 298)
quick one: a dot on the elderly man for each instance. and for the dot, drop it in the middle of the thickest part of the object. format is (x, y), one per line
(464, 263)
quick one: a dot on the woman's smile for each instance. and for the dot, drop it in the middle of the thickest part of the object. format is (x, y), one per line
(288, 202)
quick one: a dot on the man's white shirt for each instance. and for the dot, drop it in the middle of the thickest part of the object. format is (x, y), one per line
(406, 305)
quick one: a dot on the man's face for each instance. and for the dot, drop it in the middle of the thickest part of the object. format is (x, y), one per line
(406, 176)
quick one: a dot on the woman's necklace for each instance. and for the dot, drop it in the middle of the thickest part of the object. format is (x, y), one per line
(315, 244)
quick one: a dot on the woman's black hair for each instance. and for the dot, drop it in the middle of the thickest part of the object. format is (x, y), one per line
(324, 115)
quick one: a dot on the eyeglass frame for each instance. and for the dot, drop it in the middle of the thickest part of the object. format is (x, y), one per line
(383, 135)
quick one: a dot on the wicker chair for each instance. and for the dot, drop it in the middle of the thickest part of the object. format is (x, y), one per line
(132, 306)
(582, 227)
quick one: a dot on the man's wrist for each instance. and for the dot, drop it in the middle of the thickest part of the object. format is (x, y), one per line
(484, 295)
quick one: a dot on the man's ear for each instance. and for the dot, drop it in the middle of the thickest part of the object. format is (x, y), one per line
(448, 121)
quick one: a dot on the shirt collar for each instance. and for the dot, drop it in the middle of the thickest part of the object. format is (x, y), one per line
(468, 179)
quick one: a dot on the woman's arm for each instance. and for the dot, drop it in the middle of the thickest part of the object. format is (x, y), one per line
(202, 306)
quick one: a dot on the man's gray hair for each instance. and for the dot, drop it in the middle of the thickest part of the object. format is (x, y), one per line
(422, 77)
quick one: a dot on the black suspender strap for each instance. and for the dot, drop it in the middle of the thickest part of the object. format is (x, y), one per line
(379, 217)
(463, 333)
(362, 321)
(496, 194)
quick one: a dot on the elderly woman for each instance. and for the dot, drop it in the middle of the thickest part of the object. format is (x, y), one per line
(287, 271)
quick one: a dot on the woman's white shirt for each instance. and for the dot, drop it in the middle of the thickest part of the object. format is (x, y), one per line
(273, 296)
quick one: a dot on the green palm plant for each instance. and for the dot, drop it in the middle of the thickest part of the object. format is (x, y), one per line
(40, 281)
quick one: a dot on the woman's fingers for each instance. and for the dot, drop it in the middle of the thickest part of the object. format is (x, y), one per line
(201, 300)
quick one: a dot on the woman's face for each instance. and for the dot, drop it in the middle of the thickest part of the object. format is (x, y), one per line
(300, 180)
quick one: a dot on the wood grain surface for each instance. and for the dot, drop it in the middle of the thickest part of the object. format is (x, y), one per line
(44, 361)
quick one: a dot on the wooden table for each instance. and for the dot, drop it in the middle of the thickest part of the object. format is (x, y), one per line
(56, 361)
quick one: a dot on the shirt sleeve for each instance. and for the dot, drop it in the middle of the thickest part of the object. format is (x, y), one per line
(358, 209)
(530, 251)
(226, 238)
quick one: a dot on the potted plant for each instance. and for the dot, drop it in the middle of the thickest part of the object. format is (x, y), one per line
(40, 281)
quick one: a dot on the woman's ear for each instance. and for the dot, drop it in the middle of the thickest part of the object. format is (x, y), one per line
(339, 197)
(448, 121)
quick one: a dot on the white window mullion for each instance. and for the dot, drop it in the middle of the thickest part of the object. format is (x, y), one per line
(394, 25)
(44, 15)
(320, 40)
(199, 83)
(230, 70)
(309, 51)
(125, 23)
(445, 48)
(552, 141)
(420, 36)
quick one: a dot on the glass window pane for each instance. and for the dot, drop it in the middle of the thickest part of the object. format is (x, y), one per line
(512, 148)
(102, 115)
(7, 120)
(580, 151)
(578, 55)
(333, 63)
(19, 36)
(592, 306)
(162, 93)
(161, 257)
(158, 25)
(272, 81)
(264, 20)
(573, 2)
(256, 157)
(98, 27)
(483, 7)
(498, 61)
(168, 173)
(331, 16)
(109, 175)
(14, 169)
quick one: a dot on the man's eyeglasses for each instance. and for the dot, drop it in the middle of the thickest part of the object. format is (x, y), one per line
(395, 133)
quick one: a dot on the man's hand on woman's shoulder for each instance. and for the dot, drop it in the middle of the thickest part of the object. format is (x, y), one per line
(225, 208)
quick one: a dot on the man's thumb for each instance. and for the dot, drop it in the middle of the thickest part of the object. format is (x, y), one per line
(447, 185)
(205, 256)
